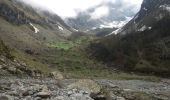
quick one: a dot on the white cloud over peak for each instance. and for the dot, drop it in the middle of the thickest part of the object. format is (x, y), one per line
(100, 12)
(70, 8)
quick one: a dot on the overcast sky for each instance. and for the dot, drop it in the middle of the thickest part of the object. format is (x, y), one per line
(70, 8)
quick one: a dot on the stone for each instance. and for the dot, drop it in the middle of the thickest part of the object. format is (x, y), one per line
(2, 59)
(12, 70)
(86, 85)
(98, 96)
(28, 98)
(1, 67)
(26, 93)
(70, 93)
(111, 96)
(44, 94)
(56, 75)
(79, 96)
(59, 98)
(5, 97)
(120, 98)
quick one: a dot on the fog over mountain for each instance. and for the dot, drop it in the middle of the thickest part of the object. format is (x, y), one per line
(86, 15)
(72, 7)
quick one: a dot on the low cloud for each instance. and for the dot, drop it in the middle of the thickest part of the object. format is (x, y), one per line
(70, 8)
(100, 12)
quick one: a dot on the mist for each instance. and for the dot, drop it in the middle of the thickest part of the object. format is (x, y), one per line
(70, 8)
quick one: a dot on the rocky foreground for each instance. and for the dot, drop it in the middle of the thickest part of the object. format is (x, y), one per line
(12, 88)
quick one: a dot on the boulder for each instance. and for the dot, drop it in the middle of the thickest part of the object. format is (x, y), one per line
(43, 94)
(120, 98)
(59, 98)
(56, 75)
(5, 97)
(87, 85)
(12, 70)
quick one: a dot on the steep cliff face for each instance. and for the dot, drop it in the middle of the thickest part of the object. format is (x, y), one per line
(151, 12)
(143, 45)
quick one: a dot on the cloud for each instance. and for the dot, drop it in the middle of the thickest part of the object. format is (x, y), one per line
(100, 12)
(70, 8)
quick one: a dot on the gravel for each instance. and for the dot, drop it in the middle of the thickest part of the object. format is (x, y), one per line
(12, 88)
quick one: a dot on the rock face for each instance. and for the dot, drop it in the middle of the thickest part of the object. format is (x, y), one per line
(151, 11)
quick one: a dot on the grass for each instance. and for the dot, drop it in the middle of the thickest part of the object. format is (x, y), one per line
(106, 74)
(74, 63)
(72, 60)
(66, 45)
(62, 45)
(31, 62)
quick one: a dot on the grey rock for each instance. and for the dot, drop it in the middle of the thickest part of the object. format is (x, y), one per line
(5, 97)
(120, 98)
(59, 98)
(44, 94)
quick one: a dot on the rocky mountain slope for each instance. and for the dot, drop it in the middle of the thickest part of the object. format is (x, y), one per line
(28, 32)
(151, 12)
(142, 45)
(29, 27)
(41, 42)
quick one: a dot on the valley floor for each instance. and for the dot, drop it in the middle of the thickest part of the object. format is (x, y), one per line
(12, 88)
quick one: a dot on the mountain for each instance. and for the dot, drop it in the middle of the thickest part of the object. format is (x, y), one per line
(37, 42)
(90, 19)
(28, 32)
(142, 45)
(151, 12)
(30, 27)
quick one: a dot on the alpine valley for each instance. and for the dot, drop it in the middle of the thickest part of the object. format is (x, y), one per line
(123, 55)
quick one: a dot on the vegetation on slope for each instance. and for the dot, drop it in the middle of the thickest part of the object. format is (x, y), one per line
(145, 52)
(5, 51)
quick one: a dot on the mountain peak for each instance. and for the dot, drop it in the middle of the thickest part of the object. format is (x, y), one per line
(151, 11)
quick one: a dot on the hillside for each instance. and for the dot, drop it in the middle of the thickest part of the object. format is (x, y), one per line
(42, 41)
(142, 45)
(28, 27)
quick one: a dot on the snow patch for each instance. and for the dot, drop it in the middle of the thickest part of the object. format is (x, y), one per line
(115, 24)
(143, 28)
(60, 28)
(165, 7)
(149, 28)
(36, 30)
(145, 9)
(115, 32)
(105, 26)
(94, 28)
(75, 29)
(136, 18)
